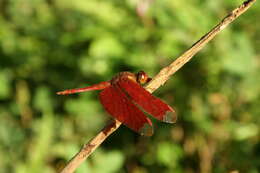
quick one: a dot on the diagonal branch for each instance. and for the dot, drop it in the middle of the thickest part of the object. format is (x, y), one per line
(166, 72)
(157, 81)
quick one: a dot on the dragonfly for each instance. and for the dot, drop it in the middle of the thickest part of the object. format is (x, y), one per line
(125, 99)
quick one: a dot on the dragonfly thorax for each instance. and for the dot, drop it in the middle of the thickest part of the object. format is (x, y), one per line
(124, 75)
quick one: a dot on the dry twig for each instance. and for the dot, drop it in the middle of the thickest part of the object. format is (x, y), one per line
(157, 81)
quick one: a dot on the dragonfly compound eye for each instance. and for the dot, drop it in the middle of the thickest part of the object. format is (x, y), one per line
(142, 77)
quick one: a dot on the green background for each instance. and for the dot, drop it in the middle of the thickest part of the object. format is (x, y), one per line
(50, 45)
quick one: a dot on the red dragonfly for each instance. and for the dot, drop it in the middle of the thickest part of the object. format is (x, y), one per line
(123, 97)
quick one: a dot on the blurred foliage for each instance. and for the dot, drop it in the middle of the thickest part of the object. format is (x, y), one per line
(50, 45)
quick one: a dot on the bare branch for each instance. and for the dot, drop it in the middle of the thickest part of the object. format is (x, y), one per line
(166, 72)
(157, 81)
(88, 148)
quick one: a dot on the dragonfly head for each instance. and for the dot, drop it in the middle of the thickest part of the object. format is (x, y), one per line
(142, 77)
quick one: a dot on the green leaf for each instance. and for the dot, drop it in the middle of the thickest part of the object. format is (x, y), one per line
(169, 154)
(4, 84)
(108, 162)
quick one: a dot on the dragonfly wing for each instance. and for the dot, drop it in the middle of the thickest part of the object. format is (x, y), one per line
(116, 103)
(148, 102)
